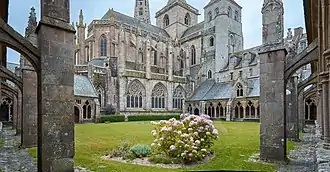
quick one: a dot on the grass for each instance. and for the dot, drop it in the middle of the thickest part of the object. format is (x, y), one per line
(237, 142)
(290, 145)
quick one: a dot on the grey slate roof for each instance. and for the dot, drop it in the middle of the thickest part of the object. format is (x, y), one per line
(83, 87)
(193, 29)
(125, 19)
(210, 90)
(12, 66)
(97, 61)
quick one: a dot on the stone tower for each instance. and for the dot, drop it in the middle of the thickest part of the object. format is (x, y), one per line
(272, 22)
(176, 17)
(81, 27)
(142, 11)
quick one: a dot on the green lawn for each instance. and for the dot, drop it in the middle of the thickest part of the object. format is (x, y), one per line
(237, 141)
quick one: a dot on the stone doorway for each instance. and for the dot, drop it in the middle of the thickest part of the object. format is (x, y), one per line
(76, 114)
(4, 112)
(196, 111)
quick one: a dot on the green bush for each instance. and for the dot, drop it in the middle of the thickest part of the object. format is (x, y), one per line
(122, 150)
(112, 118)
(152, 117)
(141, 150)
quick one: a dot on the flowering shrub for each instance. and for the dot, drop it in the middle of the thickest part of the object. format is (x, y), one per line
(189, 139)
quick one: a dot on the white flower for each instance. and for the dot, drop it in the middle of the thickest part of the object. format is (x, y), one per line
(194, 151)
(154, 134)
(161, 139)
(208, 133)
(203, 150)
(183, 154)
(215, 131)
(156, 140)
(179, 132)
(172, 147)
(190, 129)
(159, 144)
(152, 144)
(197, 141)
(202, 140)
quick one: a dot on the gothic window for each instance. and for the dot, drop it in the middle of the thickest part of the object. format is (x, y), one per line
(231, 75)
(239, 110)
(87, 110)
(210, 110)
(187, 19)
(193, 55)
(239, 90)
(101, 97)
(141, 11)
(155, 56)
(217, 11)
(236, 17)
(211, 41)
(158, 96)
(189, 108)
(141, 60)
(166, 20)
(209, 74)
(229, 12)
(103, 46)
(135, 93)
(178, 98)
(210, 16)
(250, 110)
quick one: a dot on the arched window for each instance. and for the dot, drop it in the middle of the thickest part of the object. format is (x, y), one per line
(209, 74)
(239, 110)
(193, 55)
(140, 11)
(211, 110)
(158, 96)
(166, 20)
(236, 17)
(229, 12)
(103, 46)
(87, 110)
(135, 93)
(239, 90)
(250, 110)
(217, 11)
(211, 41)
(187, 19)
(155, 56)
(189, 108)
(210, 16)
(178, 97)
(140, 56)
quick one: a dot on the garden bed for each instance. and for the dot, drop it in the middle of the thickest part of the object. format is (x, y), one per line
(145, 162)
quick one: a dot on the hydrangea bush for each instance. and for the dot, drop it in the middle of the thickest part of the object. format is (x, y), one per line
(189, 139)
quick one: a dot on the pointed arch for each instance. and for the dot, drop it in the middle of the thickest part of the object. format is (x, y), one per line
(187, 19)
(135, 94)
(209, 74)
(178, 97)
(193, 55)
(239, 90)
(101, 95)
(166, 20)
(103, 45)
(159, 96)
(211, 41)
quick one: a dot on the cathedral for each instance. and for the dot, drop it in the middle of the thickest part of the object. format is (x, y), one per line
(179, 65)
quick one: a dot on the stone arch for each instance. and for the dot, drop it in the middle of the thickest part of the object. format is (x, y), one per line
(7, 74)
(12, 39)
(103, 43)
(250, 110)
(159, 96)
(193, 55)
(87, 110)
(190, 108)
(239, 90)
(6, 109)
(211, 41)
(196, 111)
(166, 20)
(187, 19)
(239, 110)
(209, 74)
(310, 109)
(101, 96)
(135, 95)
(77, 113)
(178, 97)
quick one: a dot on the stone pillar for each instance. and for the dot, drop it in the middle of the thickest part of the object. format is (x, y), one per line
(272, 105)
(325, 99)
(170, 96)
(301, 103)
(148, 65)
(29, 107)
(19, 113)
(55, 87)
(148, 86)
(15, 110)
(320, 109)
(170, 62)
(229, 111)
(292, 123)
(97, 114)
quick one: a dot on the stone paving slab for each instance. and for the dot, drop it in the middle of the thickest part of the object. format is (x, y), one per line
(13, 159)
(303, 157)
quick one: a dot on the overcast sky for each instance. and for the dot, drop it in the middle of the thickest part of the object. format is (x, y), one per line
(95, 9)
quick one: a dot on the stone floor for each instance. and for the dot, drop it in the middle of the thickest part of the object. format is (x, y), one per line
(13, 159)
(303, 157)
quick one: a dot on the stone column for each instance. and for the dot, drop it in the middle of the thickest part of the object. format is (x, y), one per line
(97, 114)
(229, 110)
(170, 96)
(148, 65)
(170, 62)
(308, 112)
(292, 123)
(19, 113)
(15, 110)
(272, 105)
(325, 99)
(55, 87)
(29, 107)
(148, 86)
(320, 109)
(301, 102)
